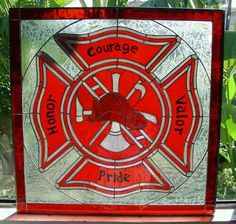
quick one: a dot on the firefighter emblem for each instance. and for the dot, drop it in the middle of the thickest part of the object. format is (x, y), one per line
(116, 113)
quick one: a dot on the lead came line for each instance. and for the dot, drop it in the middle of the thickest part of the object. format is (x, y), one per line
(100, 84)
(91, 90)
(131, 136)
(145, 135)
(98, 133)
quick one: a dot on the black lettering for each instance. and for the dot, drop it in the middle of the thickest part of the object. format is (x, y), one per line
(126, 177)
(90, 53)
(125, 48)
(109, 177)
(117, 47)
(106, 48)
(180, 109)
(120, 177)
(51, 121)
(50, 114)
(111, 46)
(50, 98)
(50, 106)
(134, 49)
(180, 100)
(179, 122)
(180, 115)
(53, 130)
(179, 130)
(101, 174)
(114, 177)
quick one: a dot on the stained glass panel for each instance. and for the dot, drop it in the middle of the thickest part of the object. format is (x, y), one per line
(117, 111)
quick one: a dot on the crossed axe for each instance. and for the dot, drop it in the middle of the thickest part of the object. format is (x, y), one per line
(114, 141)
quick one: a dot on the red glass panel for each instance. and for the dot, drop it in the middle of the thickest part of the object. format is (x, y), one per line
(116, 111)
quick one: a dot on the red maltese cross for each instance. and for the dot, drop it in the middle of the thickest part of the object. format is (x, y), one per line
(116, 112)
